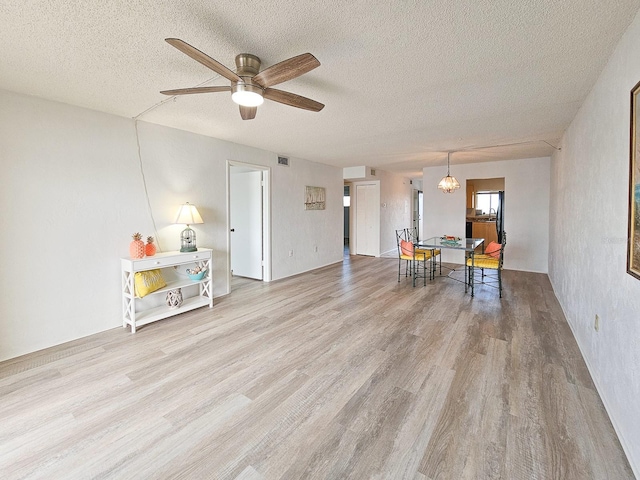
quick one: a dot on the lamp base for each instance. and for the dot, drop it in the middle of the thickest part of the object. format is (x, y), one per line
(188, 240)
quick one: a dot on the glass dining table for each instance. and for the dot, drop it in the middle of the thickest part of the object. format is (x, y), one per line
(469, 245)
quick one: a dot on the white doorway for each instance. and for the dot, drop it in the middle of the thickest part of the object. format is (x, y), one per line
(367, 216)
(248, 221)
(346, 202)
(417, 212)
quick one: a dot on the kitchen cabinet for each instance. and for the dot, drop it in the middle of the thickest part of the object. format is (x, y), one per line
(486, 230)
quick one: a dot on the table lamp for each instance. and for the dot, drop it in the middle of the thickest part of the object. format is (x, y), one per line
(188, 215)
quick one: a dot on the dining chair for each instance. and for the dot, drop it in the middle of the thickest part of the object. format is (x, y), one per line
(434, 253)
(491, 259)
(415, 263)
(400, 236)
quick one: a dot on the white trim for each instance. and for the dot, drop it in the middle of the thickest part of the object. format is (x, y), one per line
(266, 218)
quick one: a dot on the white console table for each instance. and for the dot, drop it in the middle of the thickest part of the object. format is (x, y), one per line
(173, 266)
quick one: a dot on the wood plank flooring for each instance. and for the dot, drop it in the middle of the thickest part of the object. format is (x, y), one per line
(341, 373)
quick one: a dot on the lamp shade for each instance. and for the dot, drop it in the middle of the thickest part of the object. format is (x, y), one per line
(448, 184)
(188, 215)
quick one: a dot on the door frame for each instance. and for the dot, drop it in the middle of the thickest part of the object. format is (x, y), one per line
(266, 218)
(417, 196)
(353, 235)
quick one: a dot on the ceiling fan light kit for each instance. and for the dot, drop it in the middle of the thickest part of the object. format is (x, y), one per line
(245, 95)
(249, 86)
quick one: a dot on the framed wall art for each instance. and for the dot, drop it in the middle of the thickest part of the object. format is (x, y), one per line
(314, 198)
(633, 246)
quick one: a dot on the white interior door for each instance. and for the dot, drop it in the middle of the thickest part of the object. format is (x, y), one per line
(420, 210)
(366, 219)
(415, 211)
(246, 222)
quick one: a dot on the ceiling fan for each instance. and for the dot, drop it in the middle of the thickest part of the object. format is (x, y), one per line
(250, 86)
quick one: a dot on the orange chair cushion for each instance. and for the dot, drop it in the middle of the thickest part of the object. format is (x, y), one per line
(406, 248)
(407, 252)
(493, 250)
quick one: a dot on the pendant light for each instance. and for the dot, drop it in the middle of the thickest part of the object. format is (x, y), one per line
(448, 184)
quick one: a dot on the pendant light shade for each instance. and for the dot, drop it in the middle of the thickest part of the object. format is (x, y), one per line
(448, 184)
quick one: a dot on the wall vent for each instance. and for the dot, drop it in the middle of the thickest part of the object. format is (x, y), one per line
(373, 172)
(284, 161)
(410, 182)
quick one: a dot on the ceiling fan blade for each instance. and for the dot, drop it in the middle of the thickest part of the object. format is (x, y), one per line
(248, 113)
(188, 91)
(292, 99)
(286, 70)
(203, 58)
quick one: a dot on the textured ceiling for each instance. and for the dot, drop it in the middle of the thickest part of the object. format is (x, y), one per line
(402, 81)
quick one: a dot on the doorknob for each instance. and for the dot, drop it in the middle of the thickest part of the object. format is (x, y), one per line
(233, 229)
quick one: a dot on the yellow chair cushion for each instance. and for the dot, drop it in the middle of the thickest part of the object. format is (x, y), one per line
(484, 261)
(419, 257)
(428, 253)
(148, 282)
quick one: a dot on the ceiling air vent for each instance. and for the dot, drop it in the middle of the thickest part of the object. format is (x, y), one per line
(373, 172)
(284, 161)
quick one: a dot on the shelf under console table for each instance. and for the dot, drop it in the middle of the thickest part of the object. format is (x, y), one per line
(138, 311)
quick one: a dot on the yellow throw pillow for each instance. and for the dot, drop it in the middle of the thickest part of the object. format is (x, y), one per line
(147, 282)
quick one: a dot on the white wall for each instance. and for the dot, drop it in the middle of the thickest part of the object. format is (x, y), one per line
(526, 211)
(395, 208)
(178, 163)
(72, 195)
(587, 262)
(294, 228)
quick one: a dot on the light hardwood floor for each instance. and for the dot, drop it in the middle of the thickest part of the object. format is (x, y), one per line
(338, 373)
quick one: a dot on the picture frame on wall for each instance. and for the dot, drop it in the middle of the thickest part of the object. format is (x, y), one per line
(314, 198)
(633, 245)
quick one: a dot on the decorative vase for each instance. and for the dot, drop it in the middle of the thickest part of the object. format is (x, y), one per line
(174, 298)
(150, 248)
(136, 248)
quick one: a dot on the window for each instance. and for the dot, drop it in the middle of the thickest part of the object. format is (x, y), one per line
(487, 202)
